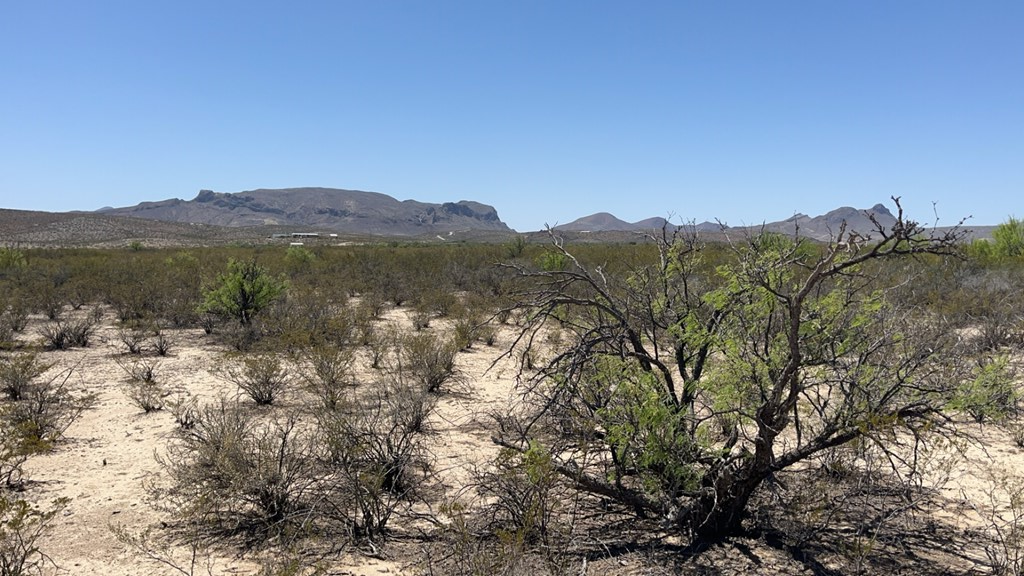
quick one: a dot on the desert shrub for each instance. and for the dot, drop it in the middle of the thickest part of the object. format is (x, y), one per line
(134, 339)
(13, 454)
(381, 341)
(1008, 238)
(327, 373)
(1002, 516)
(263, 377)
(185, 411)
(243, 291)
(373, 452)
(991, 394)
(488, 334)
(239, 475)
(11, 259)
(466, 331)
(428, 360)
(371, 306)
(523, 523)
(149, 396)
(6, 334)
(142, 388)
(22, 527)
(17, 318)
(408, 403)
(140, 369)
(62, 335)
(522, 488)
(135, 286)
(208, 322)
(307, 317)
(162, 343)
(439, 301)
(298, 260)
(181, 289)
(18, 372)
(244, 337)
(797, 340)
(46, 411)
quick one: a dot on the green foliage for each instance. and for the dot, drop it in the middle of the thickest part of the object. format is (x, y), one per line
(678, 376)
(299, 255)
(242, 292)
(524, 489)
(516, 247)
(11, 259)
(552, 261)
(645, 433)
(1008, 239)
(991, 394)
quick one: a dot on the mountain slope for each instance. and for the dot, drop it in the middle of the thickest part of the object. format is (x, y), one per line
(350, 211)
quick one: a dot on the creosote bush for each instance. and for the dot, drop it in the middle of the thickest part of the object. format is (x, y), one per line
(185, 410)
(45, 411)
(62, 335)
(428, 360)
(374, 454)
(18, 372)
(991, 394)
(263, 377)
(147, 395)
(134, 339)
(237, 474)
(327, 373)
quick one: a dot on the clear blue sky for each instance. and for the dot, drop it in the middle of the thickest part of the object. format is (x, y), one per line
(743, 111)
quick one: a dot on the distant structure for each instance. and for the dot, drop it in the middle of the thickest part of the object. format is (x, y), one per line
(298, 235)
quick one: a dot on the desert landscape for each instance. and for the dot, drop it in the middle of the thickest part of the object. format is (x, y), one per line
(515, 407)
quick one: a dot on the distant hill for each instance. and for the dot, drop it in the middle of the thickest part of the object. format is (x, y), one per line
(821, 227)
(605, 222)
(348, 211)
(64, 229)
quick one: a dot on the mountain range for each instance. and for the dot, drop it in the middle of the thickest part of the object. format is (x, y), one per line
(823, 227)
(216, 217)
(349, 211)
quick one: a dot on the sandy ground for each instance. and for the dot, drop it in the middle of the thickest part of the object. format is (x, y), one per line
(110, 452)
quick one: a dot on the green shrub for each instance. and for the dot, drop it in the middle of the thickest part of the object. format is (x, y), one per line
(991, 395)
(242, 292)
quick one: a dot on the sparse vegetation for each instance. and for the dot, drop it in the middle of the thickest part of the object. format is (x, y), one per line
(769, 392)
(62, 335)
(18, 372)
(263, 377)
